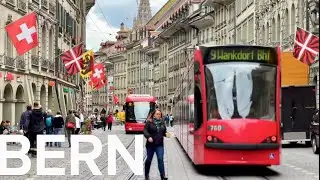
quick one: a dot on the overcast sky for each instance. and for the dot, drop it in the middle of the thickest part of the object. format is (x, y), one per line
(104, 19)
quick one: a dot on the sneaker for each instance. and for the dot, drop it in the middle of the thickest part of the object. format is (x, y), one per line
(147, 178)
(164, 178)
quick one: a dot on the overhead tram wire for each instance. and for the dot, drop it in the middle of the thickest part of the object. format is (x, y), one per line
(105, 18)
(97, 27)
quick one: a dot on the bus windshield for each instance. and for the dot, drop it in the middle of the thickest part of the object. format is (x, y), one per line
(139, 112)
(240, 90)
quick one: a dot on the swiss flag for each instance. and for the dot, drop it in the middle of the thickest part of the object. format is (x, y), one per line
(99, 84)
(23, 33)
(98, 73)
(115, 99)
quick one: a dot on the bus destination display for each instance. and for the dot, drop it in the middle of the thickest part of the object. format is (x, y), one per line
(253, 54)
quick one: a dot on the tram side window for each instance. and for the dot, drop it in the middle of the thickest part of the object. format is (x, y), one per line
(212, 105)
(198, 108)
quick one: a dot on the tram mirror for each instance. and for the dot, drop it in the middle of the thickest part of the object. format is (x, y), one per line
(196, 68)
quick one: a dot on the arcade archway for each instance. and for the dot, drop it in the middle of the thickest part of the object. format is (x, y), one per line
(20, 104)
(8, 104)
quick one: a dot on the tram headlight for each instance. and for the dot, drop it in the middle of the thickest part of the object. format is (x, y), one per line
(213, 139)
(271, 139)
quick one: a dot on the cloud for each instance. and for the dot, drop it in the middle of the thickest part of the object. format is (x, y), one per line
(98, 30)
(116, 12)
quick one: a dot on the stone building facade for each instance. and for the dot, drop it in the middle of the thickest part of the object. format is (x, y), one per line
(38, 75)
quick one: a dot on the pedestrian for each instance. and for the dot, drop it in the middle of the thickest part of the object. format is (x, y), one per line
(70, 125)
(3, 128)
(49, 127)
(171, 118)
(103, 119)
(167, 120)
(109, 121)
(57, 124)
(81, 118)
(78, 122)
(154, 131)
(24, 117)
(122, 117)
(34, 126)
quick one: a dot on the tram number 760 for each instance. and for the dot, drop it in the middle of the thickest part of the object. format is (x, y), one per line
(215, 128)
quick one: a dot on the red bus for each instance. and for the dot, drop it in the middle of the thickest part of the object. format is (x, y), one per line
(137, 109)
(234, 118)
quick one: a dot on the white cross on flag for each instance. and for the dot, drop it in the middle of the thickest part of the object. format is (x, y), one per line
(98, 73)
(23, 33)
(306, 46)
(72, 60)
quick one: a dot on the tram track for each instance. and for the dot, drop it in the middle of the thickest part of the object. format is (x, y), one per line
(117, 158)
(131, 175)
(230, 178)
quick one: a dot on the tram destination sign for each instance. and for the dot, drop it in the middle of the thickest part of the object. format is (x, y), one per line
(245, 53)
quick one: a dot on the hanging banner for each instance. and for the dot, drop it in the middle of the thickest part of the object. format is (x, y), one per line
(88, 64)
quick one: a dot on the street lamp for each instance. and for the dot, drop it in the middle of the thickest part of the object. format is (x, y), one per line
(212, 2)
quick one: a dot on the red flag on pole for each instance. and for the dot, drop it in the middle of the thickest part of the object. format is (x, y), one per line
(306, 46)
(23, 33)
(72, 60)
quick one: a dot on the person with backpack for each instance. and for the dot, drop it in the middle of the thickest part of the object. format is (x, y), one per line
(49, 126)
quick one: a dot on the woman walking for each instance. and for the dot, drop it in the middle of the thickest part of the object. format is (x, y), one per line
(109, 121)
(154, 130)
(70, 125)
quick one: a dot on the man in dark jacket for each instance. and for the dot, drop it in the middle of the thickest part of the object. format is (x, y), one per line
(57, 124)
(36, 126)
(24, 116)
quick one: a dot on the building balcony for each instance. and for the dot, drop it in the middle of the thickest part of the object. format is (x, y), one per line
(20, 63)
(9, 62)
(214, 3)
(44, 4)
(10, 2)
(52, 8)
(202, 21)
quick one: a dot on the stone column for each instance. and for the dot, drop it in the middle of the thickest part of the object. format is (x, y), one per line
(38, 89)
(1, 109)
(13, 112)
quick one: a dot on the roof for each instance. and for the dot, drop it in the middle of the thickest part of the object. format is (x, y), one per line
(161, 12)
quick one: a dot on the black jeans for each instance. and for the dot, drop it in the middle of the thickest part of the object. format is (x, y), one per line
(104, 126)
(109, 126)
(160, 153)
(69, 133)
(77, 131)
(33, 141)
(49, 131)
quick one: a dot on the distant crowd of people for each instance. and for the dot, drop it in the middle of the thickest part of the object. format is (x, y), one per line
(34, 121)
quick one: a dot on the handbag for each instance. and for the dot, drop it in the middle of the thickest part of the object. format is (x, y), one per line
(70, 125)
